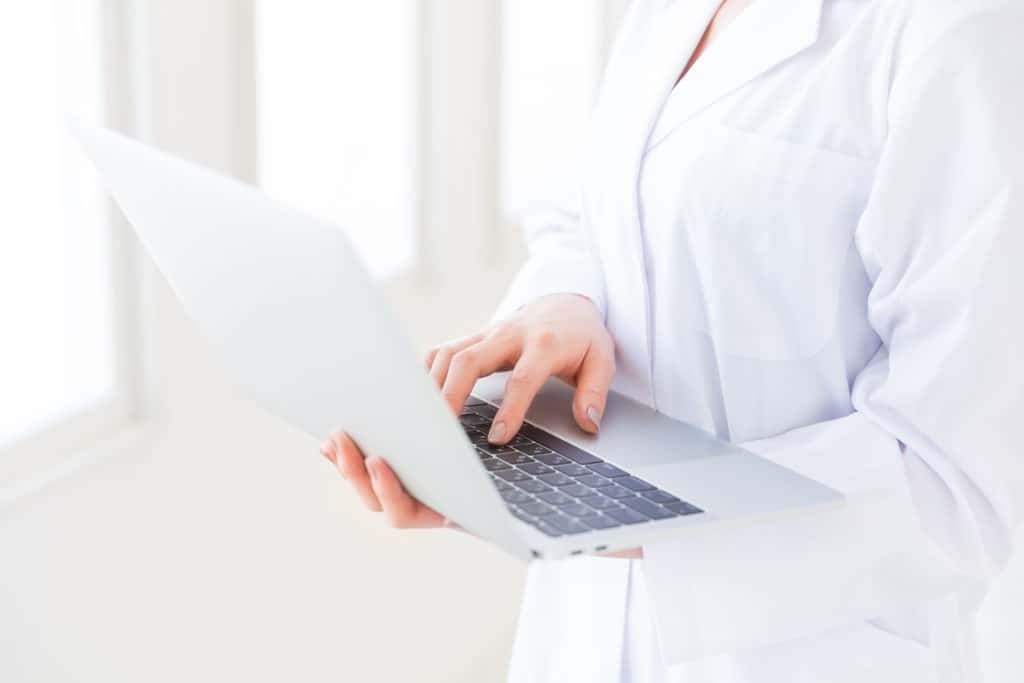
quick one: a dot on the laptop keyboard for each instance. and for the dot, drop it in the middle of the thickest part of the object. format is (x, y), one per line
(560, 489)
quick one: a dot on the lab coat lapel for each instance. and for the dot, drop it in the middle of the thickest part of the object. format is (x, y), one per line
(761, 37)
(639, 77)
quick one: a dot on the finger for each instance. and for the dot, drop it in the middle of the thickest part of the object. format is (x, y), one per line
(528, 376)
(472, 363)
(593, 381)
(403, 511)
(428, 359)
(352, 466)
(328, 450)
(443, 357)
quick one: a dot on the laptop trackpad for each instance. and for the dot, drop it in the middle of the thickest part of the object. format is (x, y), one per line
(632, 435)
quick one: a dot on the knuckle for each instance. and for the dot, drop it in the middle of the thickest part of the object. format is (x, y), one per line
(504, 328)
(521, 377)
(546, 339)
(465, 358)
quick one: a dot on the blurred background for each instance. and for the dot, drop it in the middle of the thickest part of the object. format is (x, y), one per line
(155, 525)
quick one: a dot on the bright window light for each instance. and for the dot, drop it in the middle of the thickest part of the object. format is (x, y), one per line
(337, 118)
(55, 270)
(549, 67)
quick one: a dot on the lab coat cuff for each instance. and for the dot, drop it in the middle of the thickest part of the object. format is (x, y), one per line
(553, 274)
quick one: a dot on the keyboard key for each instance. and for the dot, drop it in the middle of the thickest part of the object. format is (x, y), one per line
(473, 420)
(647, 508)
(615, 491)
(593, 481)
(683, 508)
(532, 486)
(566, 525)
(515, 496)
(477, 438)
(625, 515)
(514, 458)
(513, 475)
(495, 464)
(599, 502)
(536, 469)
(576, 490)
(659, 496)
(634, 484)
(600, 522)
(483, 454)
(486, 410)
(555, 498)
(495, 448)
(552, 459)
(519, 440)
(573, 470)
(606, 470)
(577, 510)
(501, 484)
(536, 508)
(581, 457)
(556, 479)
(534, 449)
(529, 519)
(548, 529)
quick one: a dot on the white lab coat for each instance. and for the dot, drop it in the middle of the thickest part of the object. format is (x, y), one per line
(814, 246)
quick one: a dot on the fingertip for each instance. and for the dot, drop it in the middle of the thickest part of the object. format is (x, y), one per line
(499, 433)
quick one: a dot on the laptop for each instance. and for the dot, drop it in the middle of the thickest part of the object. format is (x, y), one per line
(301, 325)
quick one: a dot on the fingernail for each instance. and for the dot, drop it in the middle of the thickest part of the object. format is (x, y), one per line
(594, 416)
(326, 452)
(372, 467)
(497, 432)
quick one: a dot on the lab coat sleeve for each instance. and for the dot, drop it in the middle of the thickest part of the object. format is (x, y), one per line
(560, 258)
(930, 461)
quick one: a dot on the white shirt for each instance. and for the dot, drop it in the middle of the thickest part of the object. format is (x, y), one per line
(811, 246)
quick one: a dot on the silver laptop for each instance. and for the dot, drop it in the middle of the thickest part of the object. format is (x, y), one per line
(302, 326)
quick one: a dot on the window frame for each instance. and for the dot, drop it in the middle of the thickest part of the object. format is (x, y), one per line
(65, 435)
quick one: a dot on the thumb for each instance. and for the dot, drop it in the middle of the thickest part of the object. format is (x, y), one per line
(593, 381)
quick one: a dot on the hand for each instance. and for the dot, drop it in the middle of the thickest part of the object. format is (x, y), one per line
(378, 486)
(559, 335)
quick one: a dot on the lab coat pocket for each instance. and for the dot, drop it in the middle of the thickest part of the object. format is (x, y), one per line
(771, 224)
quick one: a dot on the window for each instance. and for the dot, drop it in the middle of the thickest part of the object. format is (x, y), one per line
(56, 281)
(337, 118)
(550, 66)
